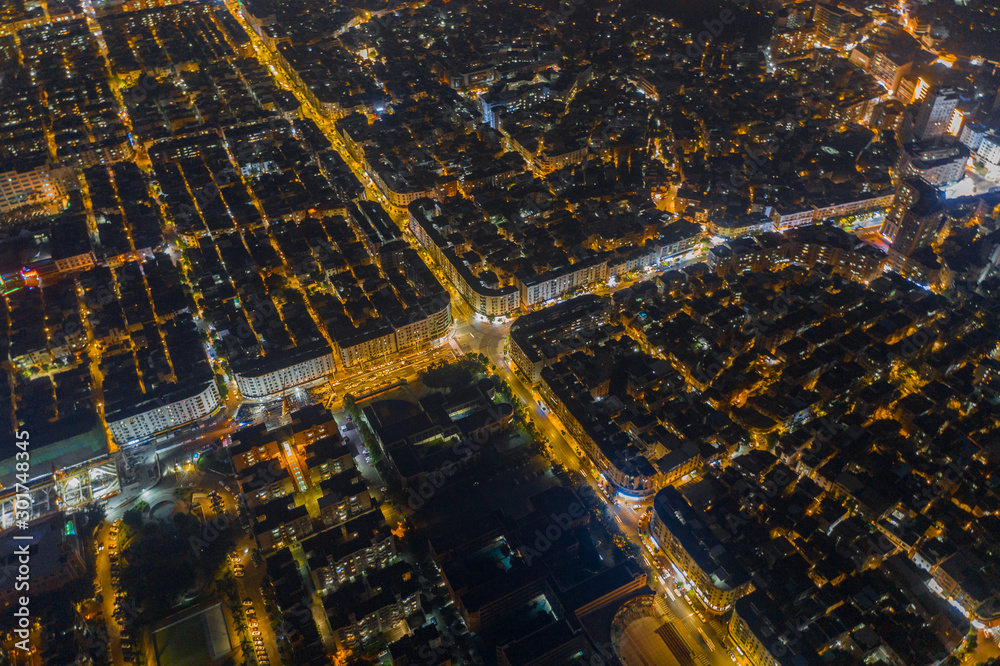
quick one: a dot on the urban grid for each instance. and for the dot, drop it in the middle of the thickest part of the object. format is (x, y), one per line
(500, 332)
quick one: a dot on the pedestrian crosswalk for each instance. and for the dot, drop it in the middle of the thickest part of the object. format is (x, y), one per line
(661, 606)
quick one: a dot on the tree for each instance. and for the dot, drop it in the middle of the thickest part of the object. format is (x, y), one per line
(133, 517)
(166, 559)
(453, 376)
(351, 407)
(94, 514)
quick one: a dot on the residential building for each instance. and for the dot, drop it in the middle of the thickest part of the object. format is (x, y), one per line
(163, 411)
(687, 537)
(272, 375)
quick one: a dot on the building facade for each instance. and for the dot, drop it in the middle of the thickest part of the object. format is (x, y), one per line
(162, 413)
(31, 189)
(271, 377)
(683, 536)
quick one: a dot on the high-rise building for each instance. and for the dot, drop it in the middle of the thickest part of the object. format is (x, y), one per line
(972, 135)
(989, 147)
(940, 162)
(890, 66)
(914, 218)
(935, 113)
(833, 25)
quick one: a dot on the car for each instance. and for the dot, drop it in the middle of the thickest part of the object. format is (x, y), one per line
(239, 573)
(255, 632)
(247, 601)
(252, 623)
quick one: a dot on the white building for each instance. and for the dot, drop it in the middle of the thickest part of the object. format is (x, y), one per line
(490, 299)
(935, 113)
(427, 323)
(554, 284)
(989, 148)
(31, 188)
(163, 412)
(939, 163)
(272, 375)
(796, 218)
(972, 135)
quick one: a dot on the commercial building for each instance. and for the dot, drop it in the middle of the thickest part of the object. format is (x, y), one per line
(429, 223)
(688, 539)
(532, 335)
(538, 289)
(833, 25)
(914, 219)
(785, 218)
(163, 411)
(940, 162)
(56, 558)
(272, 375)
(35, 189)
(763, 634)
(439, 433)
(935, 114)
